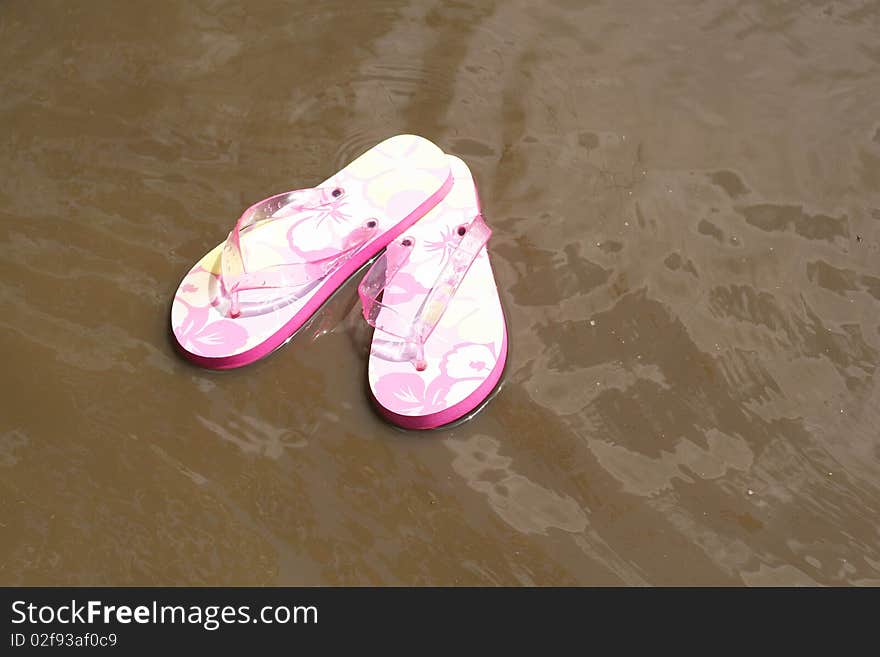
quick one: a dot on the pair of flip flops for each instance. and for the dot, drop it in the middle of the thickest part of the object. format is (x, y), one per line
(440, 339)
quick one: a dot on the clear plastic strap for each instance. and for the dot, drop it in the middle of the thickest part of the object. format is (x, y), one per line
(379, 276)
(414, 328)
(236, 278)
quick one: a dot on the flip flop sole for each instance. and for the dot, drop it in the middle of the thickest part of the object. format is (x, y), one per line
(395, 182)
(467, 351)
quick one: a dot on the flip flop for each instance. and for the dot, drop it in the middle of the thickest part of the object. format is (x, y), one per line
(288, 253)
(440, 340)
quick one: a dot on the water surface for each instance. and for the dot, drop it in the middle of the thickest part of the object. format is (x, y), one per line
(686, 204)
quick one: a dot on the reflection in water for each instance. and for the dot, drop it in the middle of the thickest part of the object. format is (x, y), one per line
(254, 436)
(686, 236)
(522, 504)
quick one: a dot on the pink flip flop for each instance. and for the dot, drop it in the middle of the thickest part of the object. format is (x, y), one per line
(288, 253)
(440, 342)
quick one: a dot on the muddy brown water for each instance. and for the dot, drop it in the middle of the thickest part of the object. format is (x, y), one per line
(686, 205)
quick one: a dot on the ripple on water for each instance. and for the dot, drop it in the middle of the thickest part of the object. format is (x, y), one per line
(524, 505)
